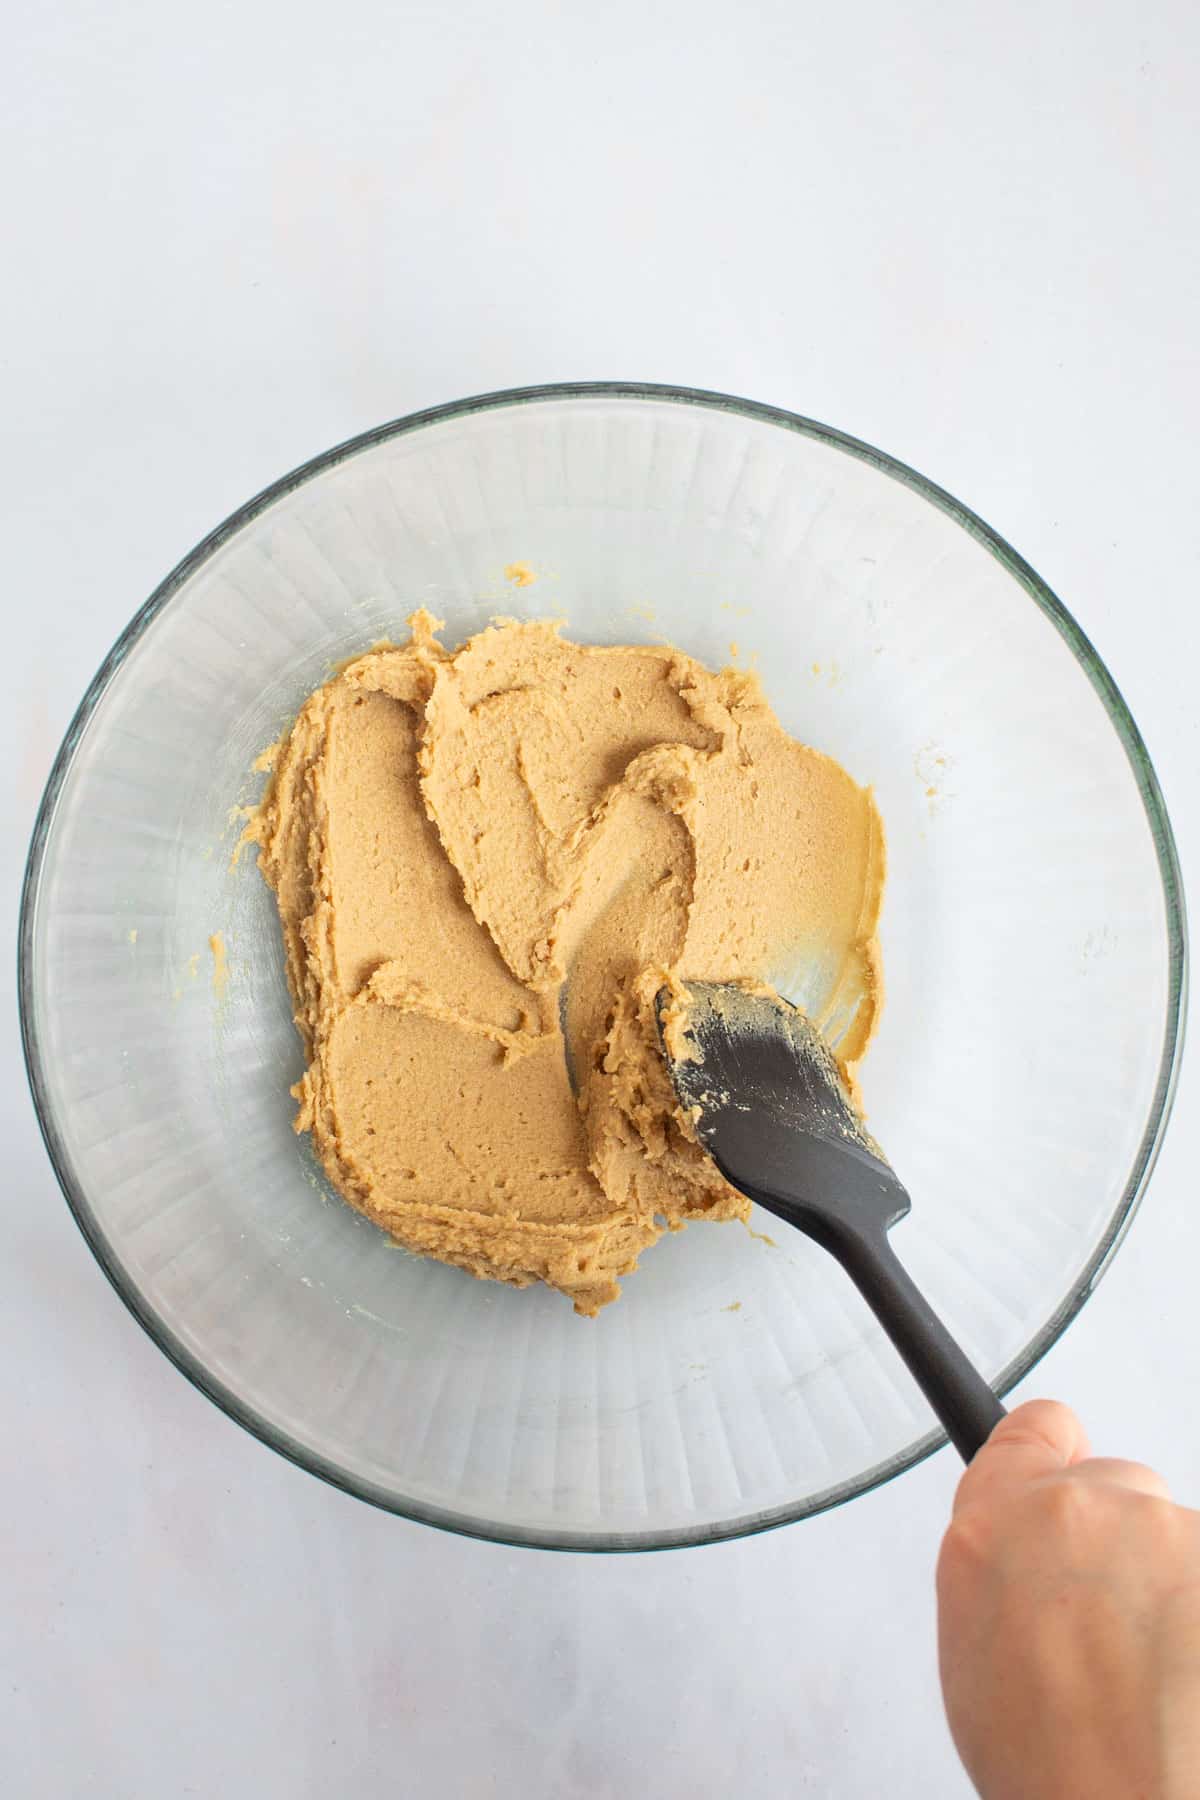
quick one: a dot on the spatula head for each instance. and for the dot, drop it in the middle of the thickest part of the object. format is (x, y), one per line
(771, 1106)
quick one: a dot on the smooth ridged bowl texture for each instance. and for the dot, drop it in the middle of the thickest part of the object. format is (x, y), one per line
(1033, 940)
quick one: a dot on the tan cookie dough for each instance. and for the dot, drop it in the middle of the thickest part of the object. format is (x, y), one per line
(486, 864)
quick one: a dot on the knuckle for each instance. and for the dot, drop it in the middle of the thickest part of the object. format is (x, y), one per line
(1074, 1512)
(1050, 1511)
(969, 1543)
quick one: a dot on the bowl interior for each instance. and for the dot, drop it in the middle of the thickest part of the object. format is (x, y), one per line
(1032, 958)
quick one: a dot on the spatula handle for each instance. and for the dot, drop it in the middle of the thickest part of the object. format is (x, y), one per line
(954, 1388)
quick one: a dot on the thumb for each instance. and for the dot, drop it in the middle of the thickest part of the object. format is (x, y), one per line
(1038, 1439)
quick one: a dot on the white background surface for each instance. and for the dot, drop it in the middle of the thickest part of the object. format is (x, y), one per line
(236, 234)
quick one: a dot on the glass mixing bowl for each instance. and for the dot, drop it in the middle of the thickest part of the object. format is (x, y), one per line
(1033, 938)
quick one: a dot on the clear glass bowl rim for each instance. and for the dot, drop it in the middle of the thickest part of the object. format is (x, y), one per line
(1152, 801)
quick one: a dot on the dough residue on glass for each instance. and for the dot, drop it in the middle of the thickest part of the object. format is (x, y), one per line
(487, 863)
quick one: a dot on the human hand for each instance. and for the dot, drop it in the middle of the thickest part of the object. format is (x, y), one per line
(1069, 1621)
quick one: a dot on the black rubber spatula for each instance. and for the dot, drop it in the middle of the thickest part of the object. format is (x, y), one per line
(771, 1108)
